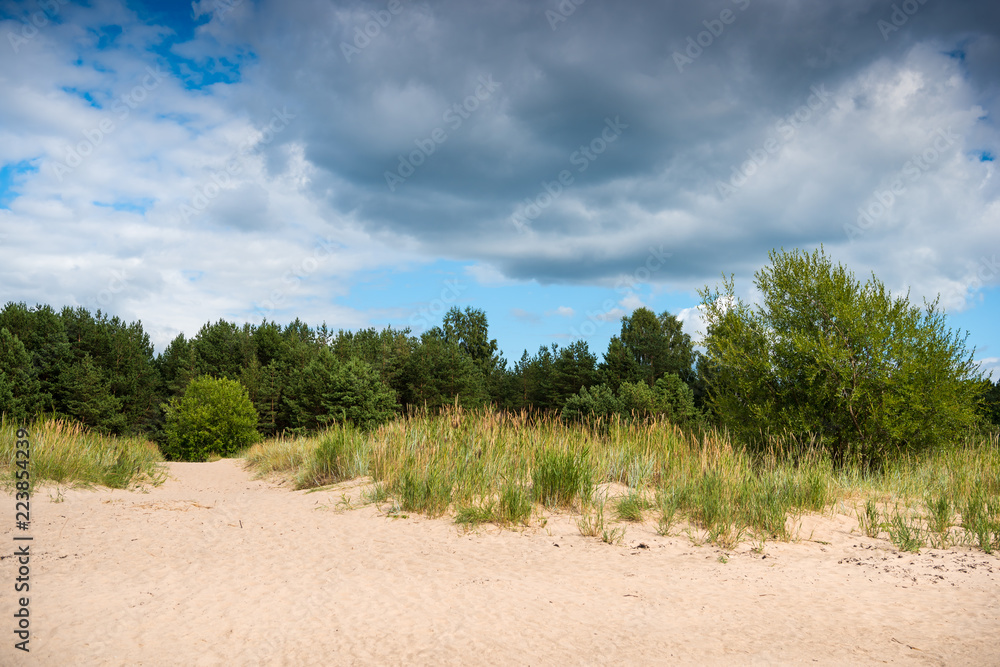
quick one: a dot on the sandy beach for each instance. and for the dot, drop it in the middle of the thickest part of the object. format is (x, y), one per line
(216, 568)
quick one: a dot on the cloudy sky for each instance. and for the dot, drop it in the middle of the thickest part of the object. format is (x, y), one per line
(557, 164)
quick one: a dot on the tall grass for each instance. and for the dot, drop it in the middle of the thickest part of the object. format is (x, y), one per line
(493, 466)
(67, 453)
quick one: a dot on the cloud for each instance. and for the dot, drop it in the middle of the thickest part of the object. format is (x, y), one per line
(561, 311)
(803, 110)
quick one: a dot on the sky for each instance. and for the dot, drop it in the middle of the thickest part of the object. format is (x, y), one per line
(556, 164)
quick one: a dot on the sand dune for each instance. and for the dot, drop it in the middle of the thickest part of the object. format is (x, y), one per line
(214, 568)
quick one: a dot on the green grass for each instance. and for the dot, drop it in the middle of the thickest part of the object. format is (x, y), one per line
(559, 478)
(502, 468)
(67, 453)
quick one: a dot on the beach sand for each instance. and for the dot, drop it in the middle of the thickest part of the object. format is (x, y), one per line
(216, 568)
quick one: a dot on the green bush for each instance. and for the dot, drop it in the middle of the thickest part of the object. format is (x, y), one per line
(597, 402)
(826, 358)
(213, 416)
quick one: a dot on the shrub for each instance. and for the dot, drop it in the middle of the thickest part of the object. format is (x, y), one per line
(597, 402)
(212, 416)
(668, 397)
(824, 356)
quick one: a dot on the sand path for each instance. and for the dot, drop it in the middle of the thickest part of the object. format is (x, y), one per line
(214, 568)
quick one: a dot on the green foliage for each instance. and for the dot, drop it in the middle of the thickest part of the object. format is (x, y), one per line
(214, 415)
(669, 397)
(338, 457)
(439, 373)
(658, 344)
(469, 330)
(824, 356)
(990, 403)
(560, 477)
(631, 506)
(597, 402)
(328, 391)
(619, 365)
(88, 397)
(427, 491)
(573, 368)
(20, 390)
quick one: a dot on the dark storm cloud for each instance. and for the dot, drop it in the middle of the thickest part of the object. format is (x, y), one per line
(445, 119)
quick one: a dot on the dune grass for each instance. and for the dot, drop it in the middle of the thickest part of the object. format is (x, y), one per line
(506, 468)
(67, 453)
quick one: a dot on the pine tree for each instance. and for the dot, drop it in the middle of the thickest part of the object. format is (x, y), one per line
(20, 390)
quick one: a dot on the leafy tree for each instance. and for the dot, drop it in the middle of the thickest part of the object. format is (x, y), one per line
(469, 329)
(329, 391)
(868, 374)
(214, 415)
(20, 391)
(386, 351)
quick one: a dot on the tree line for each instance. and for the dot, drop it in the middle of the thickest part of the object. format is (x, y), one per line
(103, 372)
(823, 357)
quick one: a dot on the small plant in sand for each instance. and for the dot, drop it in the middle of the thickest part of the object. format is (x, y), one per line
(869, 519)
(981, 519)
(592, 522)
(904, 531)
(613, 535)
(939, 515)
(561, 477)
(631, 506)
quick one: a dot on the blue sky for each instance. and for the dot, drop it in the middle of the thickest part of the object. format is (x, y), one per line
(556, 165)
